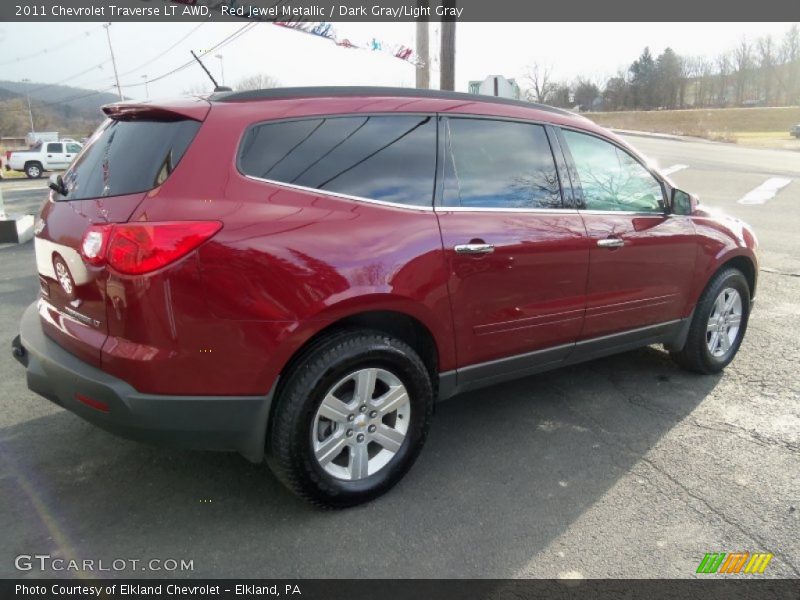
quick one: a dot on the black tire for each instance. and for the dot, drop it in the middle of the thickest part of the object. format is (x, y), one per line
(33, 170)
(289, 447)
(695, 354)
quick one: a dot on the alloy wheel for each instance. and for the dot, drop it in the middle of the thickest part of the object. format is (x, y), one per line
(361, 424)
(724, 322)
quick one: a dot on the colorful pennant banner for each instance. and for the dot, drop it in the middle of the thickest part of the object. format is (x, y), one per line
(326, 30)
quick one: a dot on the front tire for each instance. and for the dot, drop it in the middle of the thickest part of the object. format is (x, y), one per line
(33, 170)
(351, 418)
(719, 324)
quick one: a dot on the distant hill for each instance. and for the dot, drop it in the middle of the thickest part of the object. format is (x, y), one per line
(69, 110)
(80, 100)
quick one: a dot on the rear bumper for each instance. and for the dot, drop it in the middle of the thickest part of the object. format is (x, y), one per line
(233, 423)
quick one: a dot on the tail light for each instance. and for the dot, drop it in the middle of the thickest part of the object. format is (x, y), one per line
(8, 155)
(137, 248)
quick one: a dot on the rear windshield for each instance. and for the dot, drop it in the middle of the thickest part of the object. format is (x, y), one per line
(127, 157)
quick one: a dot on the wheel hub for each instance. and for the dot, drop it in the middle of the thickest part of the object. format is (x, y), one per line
(361, 424)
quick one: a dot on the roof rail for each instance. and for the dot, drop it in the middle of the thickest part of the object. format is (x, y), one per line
(327, 91)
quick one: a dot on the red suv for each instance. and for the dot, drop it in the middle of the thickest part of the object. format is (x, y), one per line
(299, 274)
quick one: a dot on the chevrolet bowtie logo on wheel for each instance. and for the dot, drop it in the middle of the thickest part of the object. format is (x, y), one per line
(735, 562)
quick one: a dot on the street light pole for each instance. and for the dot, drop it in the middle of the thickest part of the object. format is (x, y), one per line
(146, 91)
(221, 68)
(107, 26)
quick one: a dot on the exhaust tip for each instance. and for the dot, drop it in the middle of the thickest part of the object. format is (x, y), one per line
(18, 351)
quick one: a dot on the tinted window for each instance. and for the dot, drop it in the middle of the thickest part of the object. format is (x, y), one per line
(611, 178)
(74, 148)
(55, 148)
(499, 164)
(383, 158)
(126, 157)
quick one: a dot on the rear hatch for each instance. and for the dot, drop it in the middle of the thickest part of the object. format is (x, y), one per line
(130, 154)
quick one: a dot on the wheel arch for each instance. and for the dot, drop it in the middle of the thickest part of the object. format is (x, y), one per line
(402, 325)
(746, 266)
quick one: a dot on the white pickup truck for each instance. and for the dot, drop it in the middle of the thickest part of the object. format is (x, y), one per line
(46, 156)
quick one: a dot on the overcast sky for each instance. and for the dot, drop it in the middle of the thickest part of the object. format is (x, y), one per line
(596, 50)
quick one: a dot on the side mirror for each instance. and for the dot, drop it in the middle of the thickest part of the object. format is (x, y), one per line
(683, 203)
(56, 184)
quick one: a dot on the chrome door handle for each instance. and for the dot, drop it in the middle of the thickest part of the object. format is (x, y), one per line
(474, 249)
(611, 243)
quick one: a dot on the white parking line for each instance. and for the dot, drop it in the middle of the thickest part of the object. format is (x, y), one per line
(25, 189)
(674, 169)
(765, 191)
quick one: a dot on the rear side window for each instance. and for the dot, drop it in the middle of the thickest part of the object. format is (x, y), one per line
(389, 158)
(128, 157)
(499, 164)
(55, 148)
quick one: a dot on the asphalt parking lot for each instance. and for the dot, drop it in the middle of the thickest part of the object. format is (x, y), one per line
(622, 467)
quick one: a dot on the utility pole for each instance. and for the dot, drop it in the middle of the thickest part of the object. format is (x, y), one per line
(221, 68)
(146, 91)
(107, 26)
(30, 112)
(447, 57)
(423, 53)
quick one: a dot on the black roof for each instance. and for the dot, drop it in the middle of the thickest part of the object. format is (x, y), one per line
(327, 91)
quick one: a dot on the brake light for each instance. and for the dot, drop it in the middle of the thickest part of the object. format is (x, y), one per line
(137, 248)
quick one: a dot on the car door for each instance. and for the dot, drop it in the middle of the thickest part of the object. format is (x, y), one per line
(54, 157)
(642, 258)
(517, 257)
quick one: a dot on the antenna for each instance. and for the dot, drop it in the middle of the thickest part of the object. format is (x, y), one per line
(217, 88)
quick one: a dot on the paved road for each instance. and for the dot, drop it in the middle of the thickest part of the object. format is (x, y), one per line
(622, 467)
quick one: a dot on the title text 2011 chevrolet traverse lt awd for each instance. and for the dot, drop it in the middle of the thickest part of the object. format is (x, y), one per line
(299, 274)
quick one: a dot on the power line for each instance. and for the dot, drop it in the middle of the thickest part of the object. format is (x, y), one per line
(224, 42)
(227, 40)
(161, 54)
(70, 78)
(44, 51)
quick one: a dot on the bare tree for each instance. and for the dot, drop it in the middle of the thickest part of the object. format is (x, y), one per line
(766, 67)
(259, 81)
(704, 71)
(742, 59)
(723, 77)
(790, 56)
(539, 78)
(199, 89)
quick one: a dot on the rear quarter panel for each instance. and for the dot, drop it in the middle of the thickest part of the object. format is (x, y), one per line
(287, 262)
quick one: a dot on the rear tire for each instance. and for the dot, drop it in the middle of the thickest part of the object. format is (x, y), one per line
(351, 418)
(33, 170)
(718, 325)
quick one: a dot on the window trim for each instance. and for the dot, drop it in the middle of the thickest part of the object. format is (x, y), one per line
(304, 188)
(666, 211)
(444, 153)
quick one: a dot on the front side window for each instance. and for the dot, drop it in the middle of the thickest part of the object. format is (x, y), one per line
(388, 158)
(74, 148)
(55, 148)
(499, 164)
(611, 179)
